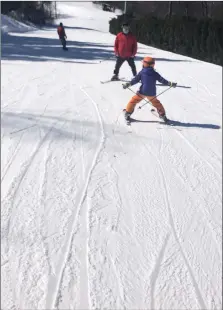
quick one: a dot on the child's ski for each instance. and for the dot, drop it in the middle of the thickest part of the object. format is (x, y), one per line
(155, 113)
(128, 122)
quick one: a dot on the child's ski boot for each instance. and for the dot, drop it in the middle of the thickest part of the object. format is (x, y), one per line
(164, 118)
(127, 117)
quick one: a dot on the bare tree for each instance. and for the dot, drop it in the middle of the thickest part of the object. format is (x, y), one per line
(187, 9)
(170, 8)
(204, 6)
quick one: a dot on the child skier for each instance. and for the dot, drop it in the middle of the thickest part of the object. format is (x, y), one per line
(148, 77)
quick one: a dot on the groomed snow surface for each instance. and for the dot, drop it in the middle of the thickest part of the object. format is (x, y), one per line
(94, 216)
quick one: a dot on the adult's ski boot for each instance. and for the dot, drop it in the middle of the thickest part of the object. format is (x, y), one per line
(115, 78)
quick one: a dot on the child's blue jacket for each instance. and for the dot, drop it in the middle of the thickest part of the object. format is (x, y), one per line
(148, 77)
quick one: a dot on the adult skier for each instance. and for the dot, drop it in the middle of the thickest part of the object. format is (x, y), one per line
(148, 77)
(125, 50)
(62, 35)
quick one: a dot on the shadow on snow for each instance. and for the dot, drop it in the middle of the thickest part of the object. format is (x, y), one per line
(29, 48)
(16, 123)
(45, 49)
(181, 124)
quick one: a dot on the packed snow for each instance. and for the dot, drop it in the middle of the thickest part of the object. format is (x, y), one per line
(95, 215)
(10, 25)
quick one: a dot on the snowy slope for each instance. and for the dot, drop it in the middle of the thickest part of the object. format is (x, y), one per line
(93, 216)
(9, 25)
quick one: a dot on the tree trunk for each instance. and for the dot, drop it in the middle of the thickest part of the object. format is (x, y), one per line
(170, 11)
(187, 9)
(204, 8)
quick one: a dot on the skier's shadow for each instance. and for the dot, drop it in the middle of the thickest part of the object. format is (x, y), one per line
(181, 124)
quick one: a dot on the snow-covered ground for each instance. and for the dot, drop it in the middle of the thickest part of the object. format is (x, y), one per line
(94, 216)
(9, 25)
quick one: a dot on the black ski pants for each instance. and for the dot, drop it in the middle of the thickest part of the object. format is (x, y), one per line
(64, 43)
(119, 63)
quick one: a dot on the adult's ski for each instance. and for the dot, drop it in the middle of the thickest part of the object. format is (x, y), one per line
(119, 80)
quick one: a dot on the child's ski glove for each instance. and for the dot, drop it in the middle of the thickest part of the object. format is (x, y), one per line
(171, 84)
(126, 85)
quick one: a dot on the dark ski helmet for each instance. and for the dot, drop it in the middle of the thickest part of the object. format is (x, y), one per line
(125, 24)
(125, 27)
(61, 24)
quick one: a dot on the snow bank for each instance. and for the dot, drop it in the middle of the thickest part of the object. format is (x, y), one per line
(9, 24)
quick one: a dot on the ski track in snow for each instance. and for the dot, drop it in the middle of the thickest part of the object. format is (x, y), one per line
(155, 272)
(18, 146)
(215, 235)
(198, 293)
(83, 196)
(25, 96)
(198, 153)
(42, 196)
(18, 181)
(210, 225)
(168, 204)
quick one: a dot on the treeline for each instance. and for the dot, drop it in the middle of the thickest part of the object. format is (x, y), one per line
(197, 38)
(163, 9)
(37, 12)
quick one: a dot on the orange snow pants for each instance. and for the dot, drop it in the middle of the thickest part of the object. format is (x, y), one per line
(137, 98)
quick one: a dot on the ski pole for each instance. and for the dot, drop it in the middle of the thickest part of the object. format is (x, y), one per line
(149, 101)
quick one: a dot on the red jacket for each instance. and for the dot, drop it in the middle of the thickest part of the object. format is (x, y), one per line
(61, 32)
(125, 45)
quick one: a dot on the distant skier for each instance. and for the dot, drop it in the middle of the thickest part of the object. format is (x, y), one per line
(125, 50)
(62, 36)
(148, 77)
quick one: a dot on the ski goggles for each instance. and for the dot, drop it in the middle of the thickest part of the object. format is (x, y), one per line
(152, 62)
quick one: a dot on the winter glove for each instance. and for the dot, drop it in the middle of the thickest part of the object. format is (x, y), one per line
(172, 84)
(126, 85)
